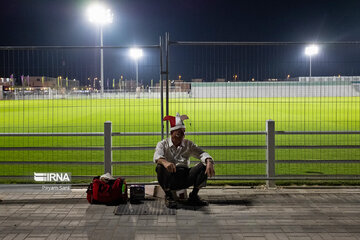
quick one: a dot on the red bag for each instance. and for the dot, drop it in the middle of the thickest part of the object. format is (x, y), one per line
(111, 192)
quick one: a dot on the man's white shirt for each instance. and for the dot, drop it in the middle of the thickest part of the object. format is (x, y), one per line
(180, 155)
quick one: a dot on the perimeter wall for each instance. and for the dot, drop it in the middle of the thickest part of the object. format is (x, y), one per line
(275, 89)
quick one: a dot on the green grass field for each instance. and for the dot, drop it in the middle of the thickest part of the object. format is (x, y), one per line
(206, 115)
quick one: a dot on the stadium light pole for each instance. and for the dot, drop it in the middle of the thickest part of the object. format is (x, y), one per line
(310, 51)
(136, 53)
(100, 15)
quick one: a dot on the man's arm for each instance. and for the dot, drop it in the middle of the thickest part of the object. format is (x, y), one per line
(159, 157)
(209, 167)
(205, 158)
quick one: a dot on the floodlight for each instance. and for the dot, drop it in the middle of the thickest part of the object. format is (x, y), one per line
(99, 14)
(311, 50)
(135, 53)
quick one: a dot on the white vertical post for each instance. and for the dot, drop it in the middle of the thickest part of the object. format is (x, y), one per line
(101, 61)
(270, 152)
(137, 74)
(310, 66)
(107, 147)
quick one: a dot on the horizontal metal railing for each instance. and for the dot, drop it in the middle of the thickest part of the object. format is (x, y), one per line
(270, 161)
(98, 134)
(219, 43)
(316, 132)
(74, 47)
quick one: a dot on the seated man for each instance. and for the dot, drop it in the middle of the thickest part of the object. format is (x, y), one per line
(172, 157)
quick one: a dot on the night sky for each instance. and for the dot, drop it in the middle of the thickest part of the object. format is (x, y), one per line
(63, 22)
(141, 22)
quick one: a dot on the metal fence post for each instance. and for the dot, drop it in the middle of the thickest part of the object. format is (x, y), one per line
(167, 80)
(107, 147)
(270, 152)
(161, 90)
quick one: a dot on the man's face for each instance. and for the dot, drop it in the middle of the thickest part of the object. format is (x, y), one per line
(178, 135)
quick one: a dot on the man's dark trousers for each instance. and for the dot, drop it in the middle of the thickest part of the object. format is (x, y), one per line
(183, 177)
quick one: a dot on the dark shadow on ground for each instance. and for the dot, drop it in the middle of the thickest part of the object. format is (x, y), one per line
(246, 202)
(186, 206)
(233, 199)
(146, 207)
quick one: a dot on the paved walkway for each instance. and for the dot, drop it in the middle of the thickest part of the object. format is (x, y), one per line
(234, 213)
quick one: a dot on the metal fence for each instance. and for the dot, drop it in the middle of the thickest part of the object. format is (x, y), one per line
(237, 86)
(228, 89)
(40, 100)
(271, 164)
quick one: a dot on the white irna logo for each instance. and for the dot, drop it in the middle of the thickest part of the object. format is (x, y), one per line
(52, 177)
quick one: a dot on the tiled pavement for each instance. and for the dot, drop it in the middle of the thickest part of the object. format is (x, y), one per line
(234, 213)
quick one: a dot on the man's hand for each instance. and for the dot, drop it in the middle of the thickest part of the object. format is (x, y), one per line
(210, 169)
(170, 167)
